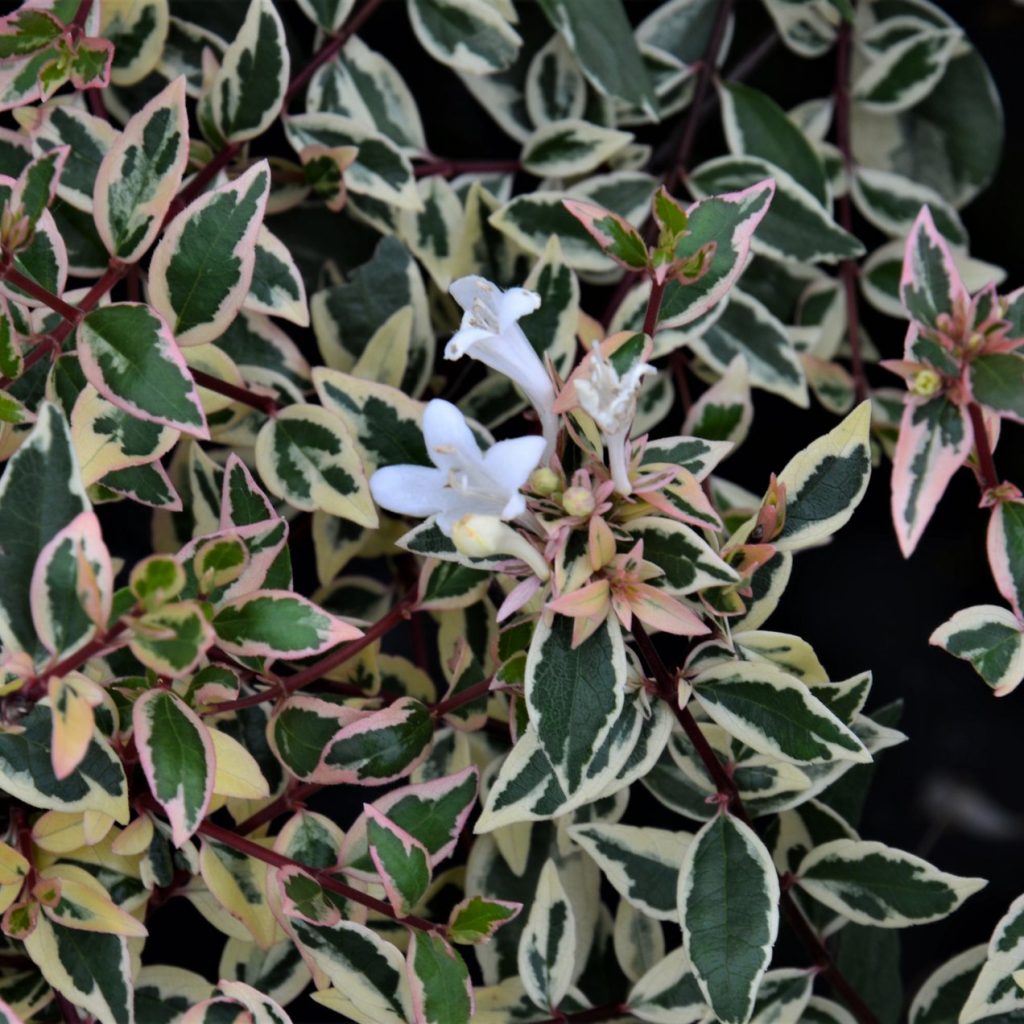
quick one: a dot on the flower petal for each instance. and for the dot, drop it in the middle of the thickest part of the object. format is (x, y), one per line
(409, 490)
(449, 440)
(464, 339)
(516, 303)
(466, 290)
(511, 462)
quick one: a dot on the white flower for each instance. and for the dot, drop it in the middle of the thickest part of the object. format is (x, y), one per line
(610, 400)
(466, 481)
(490, 333)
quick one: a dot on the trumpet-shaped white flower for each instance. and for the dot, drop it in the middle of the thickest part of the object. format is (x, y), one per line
(610, 401)
(490, 333)
(465, 481)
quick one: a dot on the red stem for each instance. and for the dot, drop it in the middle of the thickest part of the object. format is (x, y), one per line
(73, 661)
(986, 463)
(450, 168)
(287, 801)
(653, 307)
(668, 690)
(326, 880)
(462, 698)
(81, 15)
(44, 295)
(262, 403)
(338, 656)
(848, 270)
(355, 23)
(593, 1016)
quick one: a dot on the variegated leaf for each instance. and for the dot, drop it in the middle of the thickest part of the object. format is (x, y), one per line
(177, 757)
(402, 862)
(724, 412)
(907, 72)
(467, 35)
(547, 947)
(574, 696)
(996, 992)
(137, 28)
(565, 148)
(991, 639)
(941, 998)
(140, 174)
(728, 904)
(130, 356)
(774, 713)
(439, 982)
(307, 456)
(278, 624)
(668, 993)
(934, 441)
(247, 92)
(641, 863)
(42, 477)
(874, 884)
(1005, 546)
(930, 284)
(202, 267)
(826, 482)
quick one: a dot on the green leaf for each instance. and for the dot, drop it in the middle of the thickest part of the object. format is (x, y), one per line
(598, 32)
(574, 696)
(991, 639)
(564, 148)
(202, 267)
(755, 125)
(641, 863)
(441, 990)
(130, 356)
(475, 919)
(728, 904)
(278, 624)
(401, 860)
(98, 782)
(177, 757)
(873, 884)
(307, 456)
(997, 382)
(26, 31)
(40, 493)
(141, 173)
(774, 713)
(246, 94)
(547, 947)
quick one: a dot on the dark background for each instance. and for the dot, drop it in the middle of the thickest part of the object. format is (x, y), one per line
(952, 793)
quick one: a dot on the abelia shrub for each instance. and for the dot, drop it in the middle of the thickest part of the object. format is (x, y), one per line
(443, 687)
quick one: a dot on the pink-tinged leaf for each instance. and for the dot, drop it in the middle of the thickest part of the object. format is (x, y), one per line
(90, 68)
(445, 803)
(1005, 545)
(262, 1009)
(141, 173)
(72, 699)
(44, 259)
(617, 238)
(684, 500)
(36, 187)
(278, 624)
(129, 355)
(379, 747)
(930, 286)
(935, 440)
(72, 586)
(243, 502)
(655, 608)
(302, 896)
(148, 484)
(401, 860)
(201, 268)
(264, 540)
(7, 1014)
(177, 758)
(588, 601)
(442, 992)
(518, 596)
(722, 227)
(475, 919)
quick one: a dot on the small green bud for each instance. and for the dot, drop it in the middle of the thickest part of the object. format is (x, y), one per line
(578, 501)
(544, 481)
(926, 383)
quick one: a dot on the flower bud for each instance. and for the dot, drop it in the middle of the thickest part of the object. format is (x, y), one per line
(925, 383)
(544, 481)
(578, 501)
(479, 536)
